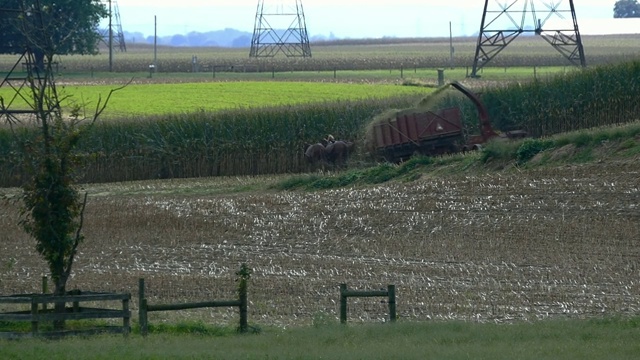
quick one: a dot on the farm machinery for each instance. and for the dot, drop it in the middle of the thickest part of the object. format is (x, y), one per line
(426, 132)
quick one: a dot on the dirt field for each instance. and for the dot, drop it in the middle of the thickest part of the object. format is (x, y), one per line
(560, 242)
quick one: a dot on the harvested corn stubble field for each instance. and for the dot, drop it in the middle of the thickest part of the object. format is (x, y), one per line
(509, 246)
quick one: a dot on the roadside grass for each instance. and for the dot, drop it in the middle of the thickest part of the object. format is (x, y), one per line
(610, 338)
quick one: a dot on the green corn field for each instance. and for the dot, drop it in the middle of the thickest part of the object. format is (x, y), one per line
(231, 142)
(604, 95)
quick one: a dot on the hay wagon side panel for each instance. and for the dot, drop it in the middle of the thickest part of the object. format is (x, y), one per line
(426, 133)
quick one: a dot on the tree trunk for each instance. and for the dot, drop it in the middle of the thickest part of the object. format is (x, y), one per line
(39, 61)
(60, 290)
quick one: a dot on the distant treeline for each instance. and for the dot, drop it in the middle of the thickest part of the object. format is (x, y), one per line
(218, 38)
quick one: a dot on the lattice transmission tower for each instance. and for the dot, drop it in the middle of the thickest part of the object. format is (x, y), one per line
(280, 28)
(504, 21)
(113, 36)
(16, 106)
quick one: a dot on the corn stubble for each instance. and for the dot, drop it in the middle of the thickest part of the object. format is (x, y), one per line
(504, 247)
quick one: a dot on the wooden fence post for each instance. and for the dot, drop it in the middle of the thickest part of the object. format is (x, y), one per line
(390, 294)
(343, 304)
(142, 307)
(45, 289)
(34, 317)
(392, 302)
(126, 324)
(144, 330)
(244, 274)
(241, 303)
(243, 309)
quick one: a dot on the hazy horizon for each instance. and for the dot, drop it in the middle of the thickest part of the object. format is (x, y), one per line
(355, 19)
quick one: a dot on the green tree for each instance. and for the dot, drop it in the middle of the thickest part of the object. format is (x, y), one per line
(71, 26)
(626, 9)
(52, 211)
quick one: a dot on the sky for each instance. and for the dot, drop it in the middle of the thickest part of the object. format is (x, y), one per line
(347, 19)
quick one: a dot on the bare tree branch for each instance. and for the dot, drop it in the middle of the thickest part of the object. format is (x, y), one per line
(100, 106)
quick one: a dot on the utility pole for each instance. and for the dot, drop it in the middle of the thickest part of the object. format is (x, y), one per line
(451, 50)
(110, 39)
(155, 43)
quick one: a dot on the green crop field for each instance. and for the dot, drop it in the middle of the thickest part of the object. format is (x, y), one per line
(157, 99)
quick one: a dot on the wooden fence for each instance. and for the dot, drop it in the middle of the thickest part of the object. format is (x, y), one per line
(39, 313)
(390, 293)
(144, 307)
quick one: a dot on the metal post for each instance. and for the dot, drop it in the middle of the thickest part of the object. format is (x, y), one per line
(451, 50)
(110, 40)
(155, 43)
(479, 44)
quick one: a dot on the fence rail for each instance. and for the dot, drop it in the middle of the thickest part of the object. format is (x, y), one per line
(145, 307)
(390, 293)
(39, 315)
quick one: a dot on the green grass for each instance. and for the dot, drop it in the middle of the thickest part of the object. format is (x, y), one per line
(545, 339)
(367, 176)
(585, 141)
(622, 141)
(393, 75)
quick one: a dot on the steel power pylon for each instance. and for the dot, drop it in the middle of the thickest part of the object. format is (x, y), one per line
(113, 36)
(503, 21)
(25, 75)
(268, 41)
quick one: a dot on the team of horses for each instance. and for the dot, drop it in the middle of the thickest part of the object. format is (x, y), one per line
(329, 152)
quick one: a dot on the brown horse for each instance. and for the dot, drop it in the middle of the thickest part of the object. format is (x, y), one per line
(315, 153)
(337, 152)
